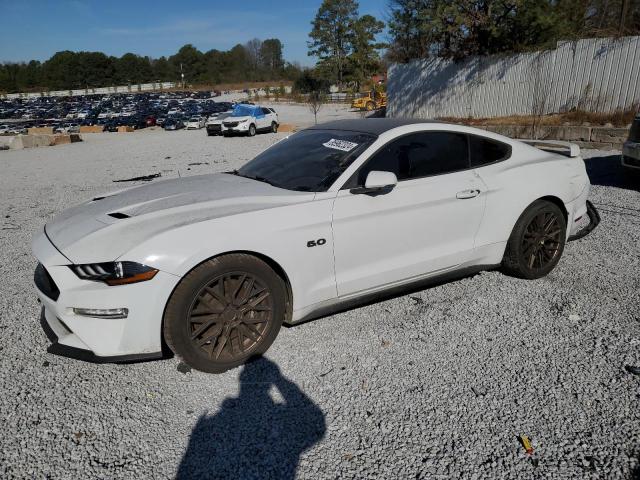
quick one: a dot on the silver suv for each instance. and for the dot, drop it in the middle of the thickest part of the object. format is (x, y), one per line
(631, 148)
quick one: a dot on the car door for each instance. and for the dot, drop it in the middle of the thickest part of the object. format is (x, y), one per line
(426, 224)
(265, 121)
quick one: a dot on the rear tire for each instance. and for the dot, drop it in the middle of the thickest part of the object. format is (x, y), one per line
(537, 241)
(224, 312)
(274, 127)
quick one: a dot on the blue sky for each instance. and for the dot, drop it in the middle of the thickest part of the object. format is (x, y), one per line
(36, 29)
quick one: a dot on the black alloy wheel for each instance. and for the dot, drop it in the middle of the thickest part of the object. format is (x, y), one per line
(537, 241)
(541, 240)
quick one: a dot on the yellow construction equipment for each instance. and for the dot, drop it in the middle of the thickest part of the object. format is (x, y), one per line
(371, 100)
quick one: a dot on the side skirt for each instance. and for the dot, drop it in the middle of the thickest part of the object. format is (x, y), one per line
(342, 305)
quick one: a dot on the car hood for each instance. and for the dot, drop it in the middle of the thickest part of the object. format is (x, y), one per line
(109, 225)
(237, 119)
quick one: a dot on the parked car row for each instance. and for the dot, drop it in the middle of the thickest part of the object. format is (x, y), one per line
(138, 110)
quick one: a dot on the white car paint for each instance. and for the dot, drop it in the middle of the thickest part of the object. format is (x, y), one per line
(195, 123)
(422, 228)
(241, 124)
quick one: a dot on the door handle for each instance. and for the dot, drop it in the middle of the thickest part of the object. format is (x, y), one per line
(467, 194)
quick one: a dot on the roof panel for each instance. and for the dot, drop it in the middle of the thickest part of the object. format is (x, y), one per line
(375, 126)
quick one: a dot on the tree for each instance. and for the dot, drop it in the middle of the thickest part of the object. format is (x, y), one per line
(409, 25)
(459, 28)
(364, 59)
(307, 82)
(316, 100)
(68, 70)
(189, 60)
(253, 52)
(332, 35)
(271, 55)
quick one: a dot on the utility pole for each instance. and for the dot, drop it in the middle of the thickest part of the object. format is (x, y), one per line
(182, 75)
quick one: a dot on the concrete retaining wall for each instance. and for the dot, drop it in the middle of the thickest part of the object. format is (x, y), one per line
(31, 141)
(40, 131)
(602, 138)
(91, 129)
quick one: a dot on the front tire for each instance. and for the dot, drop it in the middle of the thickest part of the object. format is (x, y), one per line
(537, 241)
(252, 130)
(225, 312)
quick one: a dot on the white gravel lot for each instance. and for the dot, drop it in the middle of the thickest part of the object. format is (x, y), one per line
(437, 383)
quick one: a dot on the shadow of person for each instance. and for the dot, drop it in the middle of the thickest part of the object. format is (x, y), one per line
(254, 436)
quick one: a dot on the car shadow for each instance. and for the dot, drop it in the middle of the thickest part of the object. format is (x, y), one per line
(255, 436)
(607, 171)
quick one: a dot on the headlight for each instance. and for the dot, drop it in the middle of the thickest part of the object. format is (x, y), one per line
(114, 273)
(244, 121)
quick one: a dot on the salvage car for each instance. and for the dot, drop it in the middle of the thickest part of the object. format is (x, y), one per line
(250, 119)
(213, 265)
(214, 123)
(195, 123)
(173, 124)
(631, 148)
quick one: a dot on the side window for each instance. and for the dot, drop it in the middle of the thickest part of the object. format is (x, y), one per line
(265, 111)
(419, 155)
(484, 151)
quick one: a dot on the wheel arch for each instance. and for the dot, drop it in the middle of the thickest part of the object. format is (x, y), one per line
(558, 203)
(275, 266)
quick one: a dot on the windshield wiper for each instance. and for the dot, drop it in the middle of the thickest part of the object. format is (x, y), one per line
(261, 179)
(256, 177)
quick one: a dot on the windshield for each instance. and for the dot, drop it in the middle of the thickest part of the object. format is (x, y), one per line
(308, 161)
(243, 111)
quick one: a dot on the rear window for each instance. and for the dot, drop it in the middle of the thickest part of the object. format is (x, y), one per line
(484, 151)
(634, 132)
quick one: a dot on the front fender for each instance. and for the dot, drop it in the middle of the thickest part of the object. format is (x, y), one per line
(281, 234)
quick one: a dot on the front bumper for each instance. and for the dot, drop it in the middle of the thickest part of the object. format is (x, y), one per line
(631, 155)
(239, 128)
(137, 337)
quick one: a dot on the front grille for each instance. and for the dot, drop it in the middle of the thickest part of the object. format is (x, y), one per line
(216, 127)
(634, 162)
(230, 124)
(45, 283)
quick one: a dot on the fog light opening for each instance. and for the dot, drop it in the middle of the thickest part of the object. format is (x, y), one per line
(102, 312)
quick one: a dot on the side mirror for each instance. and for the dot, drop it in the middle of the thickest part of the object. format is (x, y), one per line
(377, 183)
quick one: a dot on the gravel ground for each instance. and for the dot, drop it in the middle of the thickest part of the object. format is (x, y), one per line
(434, 384)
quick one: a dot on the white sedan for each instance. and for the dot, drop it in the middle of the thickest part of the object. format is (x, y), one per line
(195, 123)
(213, 265)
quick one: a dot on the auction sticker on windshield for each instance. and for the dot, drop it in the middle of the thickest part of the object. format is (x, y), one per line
(343, 145)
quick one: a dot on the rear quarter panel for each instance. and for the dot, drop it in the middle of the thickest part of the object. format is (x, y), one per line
(514, 184)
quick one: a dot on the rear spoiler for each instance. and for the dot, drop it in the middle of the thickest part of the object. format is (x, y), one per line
(555, 146)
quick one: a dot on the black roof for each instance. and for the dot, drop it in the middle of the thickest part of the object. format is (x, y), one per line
(375, 126)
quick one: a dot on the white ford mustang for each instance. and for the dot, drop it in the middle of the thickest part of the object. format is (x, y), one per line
(212, 265)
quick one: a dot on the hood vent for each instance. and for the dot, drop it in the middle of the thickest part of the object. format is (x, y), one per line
(118, 215)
